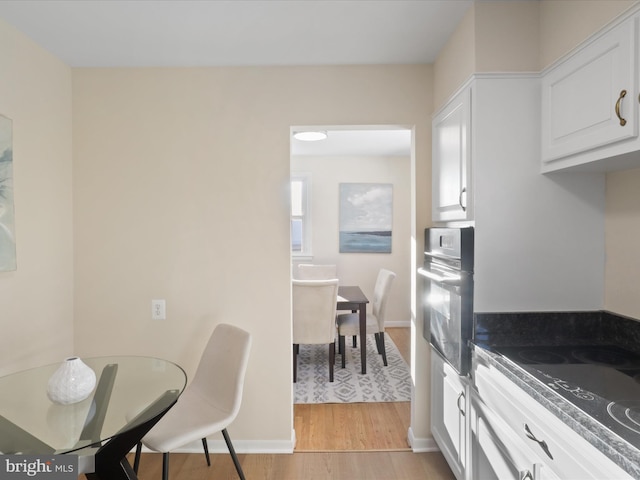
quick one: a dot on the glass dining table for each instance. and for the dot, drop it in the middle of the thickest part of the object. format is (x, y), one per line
(131, 394)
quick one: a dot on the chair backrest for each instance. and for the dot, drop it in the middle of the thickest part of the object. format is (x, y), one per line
(314, 311)
(308, 271)
(220, 373)
(381, 296)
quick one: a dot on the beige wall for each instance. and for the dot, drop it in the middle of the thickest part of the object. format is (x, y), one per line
(457, 60)
(564, 24)
(622, 272)
(493, 36)
(506, 36)
(181, 192)
(361, 268)
(37, 299)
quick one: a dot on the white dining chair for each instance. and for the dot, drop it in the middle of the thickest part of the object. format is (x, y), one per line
(349, 323)
(308, 271)
(209, 403)
(314, 317)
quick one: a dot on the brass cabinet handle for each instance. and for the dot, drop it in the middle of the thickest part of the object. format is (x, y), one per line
(623, 122)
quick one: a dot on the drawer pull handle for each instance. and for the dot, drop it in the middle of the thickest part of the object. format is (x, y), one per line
(542, 443)
(623, 122)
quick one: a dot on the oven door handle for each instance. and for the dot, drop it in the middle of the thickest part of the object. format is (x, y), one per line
(445, 280)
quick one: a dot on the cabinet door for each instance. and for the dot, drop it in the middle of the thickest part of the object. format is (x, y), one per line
(590, 100)
(451, 158)
(448, 413)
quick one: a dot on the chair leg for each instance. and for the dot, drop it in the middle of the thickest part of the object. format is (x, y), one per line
(136, 460)
(206, 451)
(378, 347)
(343, 349)
(233, 454)
(332, 359)
(384, 351)
(295, 362)
(355, 341)
(165, 466)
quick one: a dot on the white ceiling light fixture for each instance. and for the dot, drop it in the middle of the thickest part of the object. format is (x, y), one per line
(310, 136)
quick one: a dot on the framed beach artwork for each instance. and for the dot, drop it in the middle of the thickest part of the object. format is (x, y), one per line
(366, 214)
(7, 226)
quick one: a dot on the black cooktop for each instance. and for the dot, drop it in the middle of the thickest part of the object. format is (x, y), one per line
(601, 380)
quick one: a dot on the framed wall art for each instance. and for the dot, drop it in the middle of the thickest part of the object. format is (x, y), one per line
(366, 214)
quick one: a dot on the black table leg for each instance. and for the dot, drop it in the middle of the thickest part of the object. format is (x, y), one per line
(110, 460)
(362, 307)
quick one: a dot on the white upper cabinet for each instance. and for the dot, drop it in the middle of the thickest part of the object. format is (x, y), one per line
(452, 196)
(590, 102)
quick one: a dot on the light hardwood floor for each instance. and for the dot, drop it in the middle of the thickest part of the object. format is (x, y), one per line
(335, 441)
(356, 426)
(301, 466)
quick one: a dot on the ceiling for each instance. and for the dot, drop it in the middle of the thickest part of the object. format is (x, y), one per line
(357, 142)
(182, 33)
(143, 33)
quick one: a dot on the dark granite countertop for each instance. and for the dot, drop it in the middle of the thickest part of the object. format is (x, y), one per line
(567, 328)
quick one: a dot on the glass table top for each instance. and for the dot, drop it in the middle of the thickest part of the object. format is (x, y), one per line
(129, 390)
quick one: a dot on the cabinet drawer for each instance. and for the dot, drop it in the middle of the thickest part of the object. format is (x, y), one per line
(565, 452)
(497, 452)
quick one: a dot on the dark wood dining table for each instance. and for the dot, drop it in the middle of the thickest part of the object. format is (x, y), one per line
(352, 298)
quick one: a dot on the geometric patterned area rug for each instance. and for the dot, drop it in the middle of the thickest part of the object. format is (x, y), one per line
(379, 384)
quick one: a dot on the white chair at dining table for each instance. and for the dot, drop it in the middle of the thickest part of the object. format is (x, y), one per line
(314, 317)
(309, 271)
(349, 323)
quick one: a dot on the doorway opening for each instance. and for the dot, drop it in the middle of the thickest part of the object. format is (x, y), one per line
(356, 155)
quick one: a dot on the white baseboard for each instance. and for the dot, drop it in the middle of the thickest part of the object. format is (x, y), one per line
(420, 445)
(240, 446)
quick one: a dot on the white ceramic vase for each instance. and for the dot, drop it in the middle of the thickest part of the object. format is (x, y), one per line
(72, 382)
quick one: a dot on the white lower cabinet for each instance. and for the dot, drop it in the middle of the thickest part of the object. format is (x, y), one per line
(511, 432)
(491, 429)
(448, 413)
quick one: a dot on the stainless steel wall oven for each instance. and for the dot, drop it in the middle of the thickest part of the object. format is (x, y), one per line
(448, 293)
